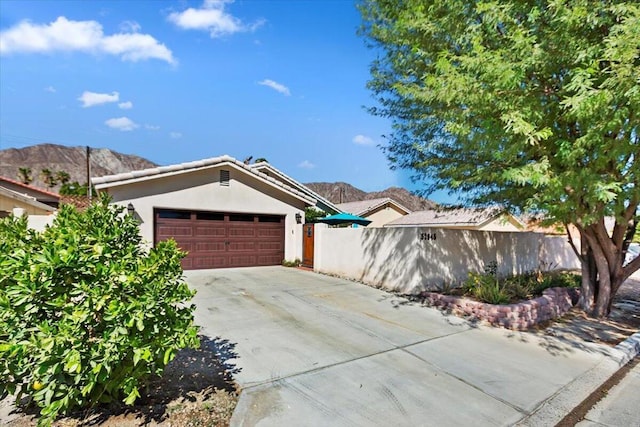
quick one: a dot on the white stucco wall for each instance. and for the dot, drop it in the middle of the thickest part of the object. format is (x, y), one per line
(408, 259)
(403, 259)
(383, 216)
(556, 252)
(201, 190)
(40, 222)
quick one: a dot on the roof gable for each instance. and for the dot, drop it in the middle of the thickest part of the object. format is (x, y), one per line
(198, 165)
(364, 207)
(31, 201)
(264, 166)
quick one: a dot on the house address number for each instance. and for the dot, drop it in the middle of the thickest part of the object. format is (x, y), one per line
(427, 236)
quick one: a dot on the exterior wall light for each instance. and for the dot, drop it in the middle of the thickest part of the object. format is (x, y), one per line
(298, 218)
(130, 209)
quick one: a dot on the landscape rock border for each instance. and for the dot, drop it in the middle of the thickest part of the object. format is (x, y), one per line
(553, 303)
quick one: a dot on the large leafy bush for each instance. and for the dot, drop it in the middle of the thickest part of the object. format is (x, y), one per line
(87, 313)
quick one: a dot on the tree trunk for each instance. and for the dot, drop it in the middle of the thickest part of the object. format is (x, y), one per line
(602, 259)
(589, 278)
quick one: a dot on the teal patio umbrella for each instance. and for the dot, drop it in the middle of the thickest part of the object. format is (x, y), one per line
(344, 218)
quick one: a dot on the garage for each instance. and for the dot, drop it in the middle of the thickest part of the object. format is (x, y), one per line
(223, 239)
(223, 212)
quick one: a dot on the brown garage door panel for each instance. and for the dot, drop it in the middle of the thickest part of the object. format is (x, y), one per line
(242, 246)
(269, 260)
(235, 231)
(270, 246)
(174, 231)
(210, 247)
(217, 240)
(276, 233)
(213, 231)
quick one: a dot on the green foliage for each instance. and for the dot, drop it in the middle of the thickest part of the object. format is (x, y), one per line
(295, 263)
(74, 189)
(312, 214)
(531, 105)
(24, 175)
(86, 312)
(490, 288)
(486, 287)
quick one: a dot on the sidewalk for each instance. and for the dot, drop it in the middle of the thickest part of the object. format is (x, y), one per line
(621, 406)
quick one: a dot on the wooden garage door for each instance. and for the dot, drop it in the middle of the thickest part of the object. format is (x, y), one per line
(219, 239)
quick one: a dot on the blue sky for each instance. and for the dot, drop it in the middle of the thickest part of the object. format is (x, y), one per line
(175, 81)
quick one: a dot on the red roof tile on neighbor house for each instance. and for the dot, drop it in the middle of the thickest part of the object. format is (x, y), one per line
(28, 187)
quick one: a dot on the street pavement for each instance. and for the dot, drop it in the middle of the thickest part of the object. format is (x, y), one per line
(313, 350)
(621, 405)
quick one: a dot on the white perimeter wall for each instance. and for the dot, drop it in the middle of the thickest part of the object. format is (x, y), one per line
(409, 260)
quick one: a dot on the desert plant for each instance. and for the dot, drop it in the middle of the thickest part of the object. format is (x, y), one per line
(87, 313)
(486, 287)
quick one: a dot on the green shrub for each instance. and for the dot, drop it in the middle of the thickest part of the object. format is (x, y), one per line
(87, 314)
(486, 287)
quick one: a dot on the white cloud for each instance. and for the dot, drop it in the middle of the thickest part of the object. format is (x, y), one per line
(124, 124)
(175, 135)
(363, 140)
(127, 105)
(275, 86)
(50, 89)
(151, 127)
(81, 36)
(89, 99)
(306, 164)
(130, 27)
(212, 17)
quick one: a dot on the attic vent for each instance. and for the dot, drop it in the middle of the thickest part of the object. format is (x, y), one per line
(224, 178)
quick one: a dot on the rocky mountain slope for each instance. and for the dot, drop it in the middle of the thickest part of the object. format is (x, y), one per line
(341, 192)
(106, 162)
(72, 160)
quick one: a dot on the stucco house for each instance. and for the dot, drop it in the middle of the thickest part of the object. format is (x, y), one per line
(34, 201)
(489, 219)
(379, 211)
(223, 212)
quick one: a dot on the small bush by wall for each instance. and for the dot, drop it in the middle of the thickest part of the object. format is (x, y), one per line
(553, 303)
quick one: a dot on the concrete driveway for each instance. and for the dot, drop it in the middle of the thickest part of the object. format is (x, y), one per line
(313, 350)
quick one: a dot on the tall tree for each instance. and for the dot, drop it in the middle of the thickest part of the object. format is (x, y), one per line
(24, 175)
(63, 177)
(48, 177)
(529, 103)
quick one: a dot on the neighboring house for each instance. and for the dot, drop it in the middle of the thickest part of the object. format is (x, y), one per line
(223, 212)
(490, 219)
(10, 200)
(43, 196)
(379, 211)
(321, 203)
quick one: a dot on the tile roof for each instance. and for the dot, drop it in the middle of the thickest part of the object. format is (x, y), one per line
(29, 187)
(157, 172)
(457, 216)
(363, 206)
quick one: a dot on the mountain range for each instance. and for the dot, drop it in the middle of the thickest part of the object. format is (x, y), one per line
(73, 160)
